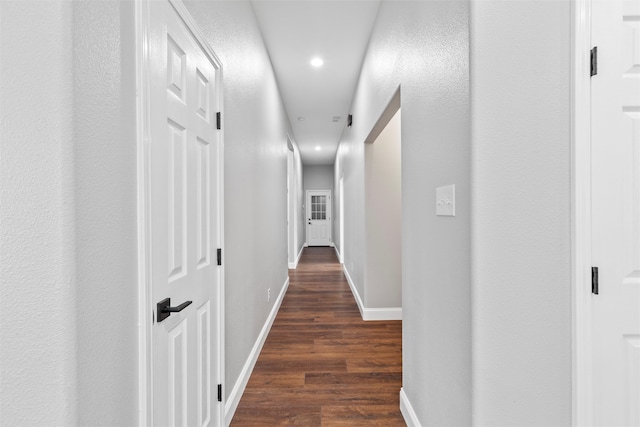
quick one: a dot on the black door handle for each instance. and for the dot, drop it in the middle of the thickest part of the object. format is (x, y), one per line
(164, 308)
(176, 309)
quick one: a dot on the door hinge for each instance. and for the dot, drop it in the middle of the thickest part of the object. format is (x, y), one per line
(594, 280)
(219, 392)
(594, 61)
(218, 120)
(219, 256)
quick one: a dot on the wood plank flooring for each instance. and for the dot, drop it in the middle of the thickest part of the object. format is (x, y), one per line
(322, 365)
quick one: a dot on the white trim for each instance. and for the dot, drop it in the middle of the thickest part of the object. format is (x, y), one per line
(294, 265)
(407, 411)
(354, 290)
(338, 254)
(581, 213)
(381, 313)
(145, 304)
(145, 377)
(247, 369)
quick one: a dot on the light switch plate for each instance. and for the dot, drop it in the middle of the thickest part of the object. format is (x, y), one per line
(446, 200)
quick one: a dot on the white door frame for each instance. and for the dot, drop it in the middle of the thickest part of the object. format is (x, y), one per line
(145, 304)
(581, 213)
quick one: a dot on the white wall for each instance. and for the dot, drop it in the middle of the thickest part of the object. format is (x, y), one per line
(422, 46)
(69, 281)
(255, 128)
(106, 206)
(520, 56)
(383, 218)
(37, 289)
(318, 177)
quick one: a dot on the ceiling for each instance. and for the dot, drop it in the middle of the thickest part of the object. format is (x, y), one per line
(317, 99)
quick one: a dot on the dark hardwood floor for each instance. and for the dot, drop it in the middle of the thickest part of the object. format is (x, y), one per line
(322, 365)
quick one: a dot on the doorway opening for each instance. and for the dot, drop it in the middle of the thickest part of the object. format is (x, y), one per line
(291, 198)
(383, 216)
(341, 190)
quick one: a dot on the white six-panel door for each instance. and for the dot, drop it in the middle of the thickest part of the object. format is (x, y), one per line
(615, 213)
(318, 217)
(184, 214)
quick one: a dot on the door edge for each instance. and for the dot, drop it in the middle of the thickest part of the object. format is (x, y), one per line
(581, 388)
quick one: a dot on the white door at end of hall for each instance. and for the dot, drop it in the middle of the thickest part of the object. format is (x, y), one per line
(184, 212)
(615, 213)
(318, 217)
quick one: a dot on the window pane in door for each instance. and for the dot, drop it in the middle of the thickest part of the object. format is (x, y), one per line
(318, 207)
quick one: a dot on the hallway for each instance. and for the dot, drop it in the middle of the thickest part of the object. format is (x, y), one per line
(321, 364)
(497, 301)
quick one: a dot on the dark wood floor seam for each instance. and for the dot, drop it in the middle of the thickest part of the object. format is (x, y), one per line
(321, 364)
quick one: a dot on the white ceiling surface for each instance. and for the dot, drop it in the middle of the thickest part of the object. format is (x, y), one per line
(295, 31)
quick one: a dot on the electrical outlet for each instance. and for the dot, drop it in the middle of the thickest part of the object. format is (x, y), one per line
(268, 294)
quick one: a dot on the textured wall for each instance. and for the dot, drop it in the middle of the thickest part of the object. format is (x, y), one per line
(106, 206)
(255, 129)
(37, 277)
(422, 46)
(68, 214)
(521, 213)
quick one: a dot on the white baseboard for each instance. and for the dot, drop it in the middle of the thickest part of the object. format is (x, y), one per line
(354, 291)
(294, 265)
(407, 411)
(381, 313)
(238, 388)
(338, 255)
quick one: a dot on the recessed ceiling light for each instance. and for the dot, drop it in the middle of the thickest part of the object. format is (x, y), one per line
(301, 119)
(318, 148)
(317, 62)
